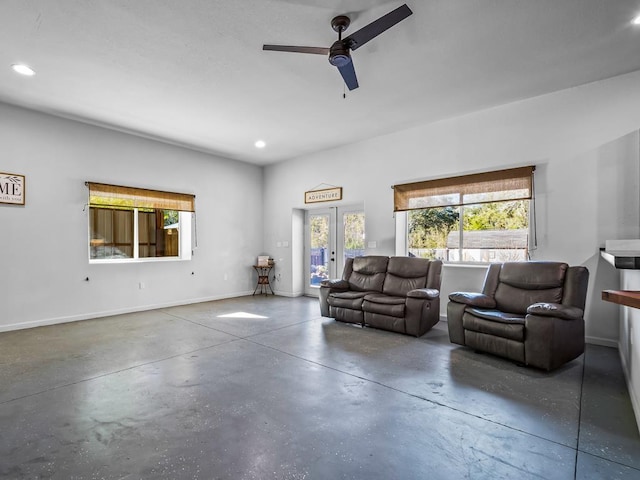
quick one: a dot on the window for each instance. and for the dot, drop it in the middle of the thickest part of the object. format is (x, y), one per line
(471, 218)
(133, 224)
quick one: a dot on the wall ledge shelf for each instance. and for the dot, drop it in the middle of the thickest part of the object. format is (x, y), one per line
(628, 298)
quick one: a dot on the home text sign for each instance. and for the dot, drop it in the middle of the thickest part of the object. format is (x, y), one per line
(12, 188)
(326, 195)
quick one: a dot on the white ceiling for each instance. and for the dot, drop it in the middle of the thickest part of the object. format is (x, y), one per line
(193, 73)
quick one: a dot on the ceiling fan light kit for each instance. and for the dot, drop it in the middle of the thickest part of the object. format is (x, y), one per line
(340, 52)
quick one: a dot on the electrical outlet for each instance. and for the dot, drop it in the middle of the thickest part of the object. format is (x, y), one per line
(141, 285)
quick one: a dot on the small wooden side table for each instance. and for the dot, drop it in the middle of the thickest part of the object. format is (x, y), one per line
(264, 285)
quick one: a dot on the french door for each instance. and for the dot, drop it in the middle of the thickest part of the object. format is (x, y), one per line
(331, 235)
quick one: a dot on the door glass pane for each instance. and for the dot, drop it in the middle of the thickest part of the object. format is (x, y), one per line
(319, 252)
(353, 224)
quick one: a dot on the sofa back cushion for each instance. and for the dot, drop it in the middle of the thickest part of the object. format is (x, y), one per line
(368, 273)
(348, 268)
(405, 274)
(521, 284)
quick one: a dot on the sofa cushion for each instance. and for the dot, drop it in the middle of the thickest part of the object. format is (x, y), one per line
(512, 299)
(533, 275)
(494, 322)
(400, 286)
(524, 283)
(348, 299)
(405, 274)
(496, 315)
(384, 305)
(384, 299)
(368, 273)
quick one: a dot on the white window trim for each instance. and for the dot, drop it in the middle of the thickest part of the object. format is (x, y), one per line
(185, 239)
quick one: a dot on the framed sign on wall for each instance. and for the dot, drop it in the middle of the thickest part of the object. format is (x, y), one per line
(12, 188)
(324, 195)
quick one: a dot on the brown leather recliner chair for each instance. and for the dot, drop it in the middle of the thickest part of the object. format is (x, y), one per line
(529, 312)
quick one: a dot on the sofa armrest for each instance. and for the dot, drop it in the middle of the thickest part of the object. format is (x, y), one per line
(336, 283)
(327, 287)
(551, 341)
(428, 293)
(479, 300)
(555, 310)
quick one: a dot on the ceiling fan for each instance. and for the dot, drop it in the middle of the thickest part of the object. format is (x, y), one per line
(340, 52)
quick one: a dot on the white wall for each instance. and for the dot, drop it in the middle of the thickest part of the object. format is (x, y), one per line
(586, 178)
(43, 245)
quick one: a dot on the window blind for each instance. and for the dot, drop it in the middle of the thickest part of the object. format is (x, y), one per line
(116, 196)
(500, 185)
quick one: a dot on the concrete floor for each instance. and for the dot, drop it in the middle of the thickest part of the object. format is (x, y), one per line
(274, 391)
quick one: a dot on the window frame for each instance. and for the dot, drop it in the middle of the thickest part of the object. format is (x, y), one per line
(406, 196)
(143, 199)
(184, 243)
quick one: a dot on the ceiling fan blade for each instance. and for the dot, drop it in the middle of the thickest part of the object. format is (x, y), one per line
(375, 28)
(348, 73)
(294, 49)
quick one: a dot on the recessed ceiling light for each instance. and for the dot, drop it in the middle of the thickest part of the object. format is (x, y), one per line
(260, 144)
(636, 21)
(23, 69)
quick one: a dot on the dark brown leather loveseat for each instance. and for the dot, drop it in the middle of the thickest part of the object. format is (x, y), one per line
(400, 294)
(529, 312)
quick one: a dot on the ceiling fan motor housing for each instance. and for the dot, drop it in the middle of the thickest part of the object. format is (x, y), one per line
(339, 55)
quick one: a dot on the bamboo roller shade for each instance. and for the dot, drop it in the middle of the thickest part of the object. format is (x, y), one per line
(514, 184)
(101, 194)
